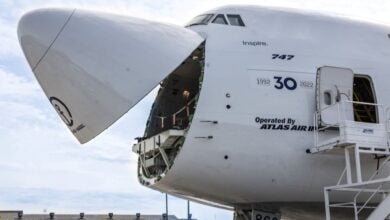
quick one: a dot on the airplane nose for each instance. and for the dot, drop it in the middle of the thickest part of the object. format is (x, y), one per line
(95, 66)
(37, 30)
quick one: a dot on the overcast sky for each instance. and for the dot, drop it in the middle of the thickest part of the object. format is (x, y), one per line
(42, 166)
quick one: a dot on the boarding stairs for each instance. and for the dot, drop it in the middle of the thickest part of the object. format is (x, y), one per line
(356, 140)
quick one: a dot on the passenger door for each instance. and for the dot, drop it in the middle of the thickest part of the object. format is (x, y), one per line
(334, 85)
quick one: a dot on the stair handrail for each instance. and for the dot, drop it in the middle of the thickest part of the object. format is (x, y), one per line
(352, 102)
(342, 176)
(322, 128)
(369, 198)
(342, 117)
(380, 107)
(371, 178)
(379, 168)
(173, 115)
(387, 125)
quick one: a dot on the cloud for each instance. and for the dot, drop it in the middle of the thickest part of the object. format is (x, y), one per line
(14, 86)
(9, 44)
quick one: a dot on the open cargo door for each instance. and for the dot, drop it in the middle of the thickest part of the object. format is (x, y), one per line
(94, 67)
(334, 85)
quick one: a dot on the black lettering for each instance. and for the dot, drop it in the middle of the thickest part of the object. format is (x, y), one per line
(279, 82)
(290, 83)
(294, 128)
(282, 56)
(289, 57)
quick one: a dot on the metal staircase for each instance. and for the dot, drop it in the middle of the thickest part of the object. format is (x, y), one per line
(357, 140)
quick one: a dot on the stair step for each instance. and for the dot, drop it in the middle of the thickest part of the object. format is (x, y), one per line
(382, 211)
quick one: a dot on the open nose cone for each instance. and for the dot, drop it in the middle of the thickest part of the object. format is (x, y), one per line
(38, 29)
(95, 66)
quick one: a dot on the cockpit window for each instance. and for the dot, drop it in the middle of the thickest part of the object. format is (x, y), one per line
(220, 19)
(200, 19)
(235, 20)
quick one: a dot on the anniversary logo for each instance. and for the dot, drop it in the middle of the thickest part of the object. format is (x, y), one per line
(284, 124)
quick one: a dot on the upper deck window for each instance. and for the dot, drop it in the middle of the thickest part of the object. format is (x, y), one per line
(200, 19)
(220, 19)
(235, 20)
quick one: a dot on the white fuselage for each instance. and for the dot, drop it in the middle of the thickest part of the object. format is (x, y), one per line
(257, 153)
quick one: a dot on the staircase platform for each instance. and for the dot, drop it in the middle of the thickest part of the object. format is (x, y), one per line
(334, 146)
(363, 186)
(370, 137)
(165, 140)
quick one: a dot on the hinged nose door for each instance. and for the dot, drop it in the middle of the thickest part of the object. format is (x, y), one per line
(94, 67)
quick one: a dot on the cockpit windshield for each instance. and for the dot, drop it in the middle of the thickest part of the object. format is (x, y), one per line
(200, 19)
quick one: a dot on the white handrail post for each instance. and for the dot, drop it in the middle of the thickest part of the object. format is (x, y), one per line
(327, 208)
(338, 113)
(356, 212)
(358, 168)
(315, 129)
(348, 165)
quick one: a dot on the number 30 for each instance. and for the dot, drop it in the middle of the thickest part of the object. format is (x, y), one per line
(288, 82)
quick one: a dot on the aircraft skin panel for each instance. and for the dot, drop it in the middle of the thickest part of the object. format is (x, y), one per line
(35, 46)
(269, 124)
(100, 65)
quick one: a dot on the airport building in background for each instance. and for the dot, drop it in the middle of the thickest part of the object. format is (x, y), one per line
(18, 214)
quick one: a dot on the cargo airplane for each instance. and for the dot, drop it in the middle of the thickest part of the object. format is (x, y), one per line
(259, 110)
